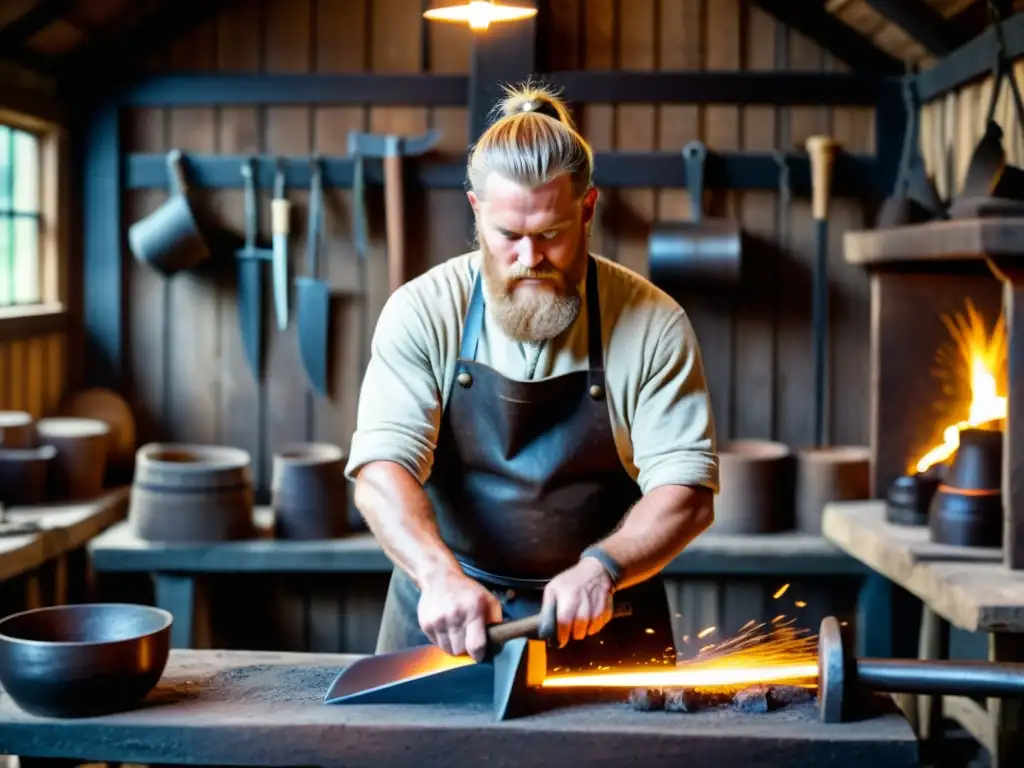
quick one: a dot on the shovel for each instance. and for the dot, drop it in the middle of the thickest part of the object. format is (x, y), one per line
(313, 311)
(415, 675)
(705, 250)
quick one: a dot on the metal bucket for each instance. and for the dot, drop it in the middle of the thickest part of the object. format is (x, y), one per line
(700, 250)
(169, 239)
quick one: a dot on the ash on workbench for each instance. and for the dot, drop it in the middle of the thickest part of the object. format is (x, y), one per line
(754, 698)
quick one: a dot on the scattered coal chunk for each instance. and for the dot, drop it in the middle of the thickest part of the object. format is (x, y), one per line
(762, 698)
(646, 699)
(693, 699)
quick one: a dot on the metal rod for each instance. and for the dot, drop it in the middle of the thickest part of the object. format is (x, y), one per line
(950, 678)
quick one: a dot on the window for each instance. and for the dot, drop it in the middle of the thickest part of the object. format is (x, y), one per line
(20, 217)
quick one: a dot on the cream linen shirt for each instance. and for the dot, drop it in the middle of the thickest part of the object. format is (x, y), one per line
(657, 396)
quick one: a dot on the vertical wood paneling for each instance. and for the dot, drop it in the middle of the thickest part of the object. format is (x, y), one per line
(33, 374)
(187, 370)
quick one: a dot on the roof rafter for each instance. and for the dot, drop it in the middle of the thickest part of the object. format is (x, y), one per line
(923, 23)
(14, 35)
(810, 19)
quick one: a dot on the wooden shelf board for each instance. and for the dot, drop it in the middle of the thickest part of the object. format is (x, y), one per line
(963, 240)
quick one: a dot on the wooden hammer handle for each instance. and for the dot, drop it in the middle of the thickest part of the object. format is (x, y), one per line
(822, 150)
(529, 626)
(394, 214)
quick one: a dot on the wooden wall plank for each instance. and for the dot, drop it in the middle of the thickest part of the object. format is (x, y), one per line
(238, 132)
(597, 121)
(753, 396)
(193, 348)
(795, 371)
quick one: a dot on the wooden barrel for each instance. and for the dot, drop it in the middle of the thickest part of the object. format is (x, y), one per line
(17, 430)
(23, 474)
(308, 492)
(191, 493)
(756, 480)
(82, 445)
(824, 475)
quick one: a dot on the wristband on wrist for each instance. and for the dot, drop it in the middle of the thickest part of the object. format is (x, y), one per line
(598, 553)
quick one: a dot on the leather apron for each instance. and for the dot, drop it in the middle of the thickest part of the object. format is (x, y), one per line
(526, 475)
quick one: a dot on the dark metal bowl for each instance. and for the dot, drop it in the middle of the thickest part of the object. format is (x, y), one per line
(83, 660)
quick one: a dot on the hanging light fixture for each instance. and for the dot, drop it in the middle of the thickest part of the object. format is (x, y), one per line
(480, 14)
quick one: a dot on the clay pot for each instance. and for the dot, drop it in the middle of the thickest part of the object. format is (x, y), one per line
(827, 474)
(308, 490)
(23, 474)
(112, 408)
(967, 509)
(756, 496)
(909, 498)
(82, 448)
(191, 493)
(17, 430)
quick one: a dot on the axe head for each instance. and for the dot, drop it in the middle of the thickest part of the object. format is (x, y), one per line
(388, 145)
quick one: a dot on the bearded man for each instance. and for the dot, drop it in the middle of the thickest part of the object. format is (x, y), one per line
(534, 430)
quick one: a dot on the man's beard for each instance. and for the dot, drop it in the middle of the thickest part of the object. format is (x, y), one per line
(529, 316)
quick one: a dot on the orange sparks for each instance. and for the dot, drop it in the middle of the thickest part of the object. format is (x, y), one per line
(705, 632)
(800, 604)
(764, 652)
(781, 592)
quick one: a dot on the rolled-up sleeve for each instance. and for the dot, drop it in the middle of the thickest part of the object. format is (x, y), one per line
(400, 402)
(673, 428)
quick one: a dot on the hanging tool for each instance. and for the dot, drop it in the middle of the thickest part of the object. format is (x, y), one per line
(822, 151)
(280, 214)
(313, 312)
(392, 149)
(702, 249)
(428, 675)
(988, 174)
(914, 198)
(170, 238)
(250, 276)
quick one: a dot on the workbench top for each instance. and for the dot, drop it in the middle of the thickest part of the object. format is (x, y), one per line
(968, 586)
(262, 709)
(64, 527)
(118, 549)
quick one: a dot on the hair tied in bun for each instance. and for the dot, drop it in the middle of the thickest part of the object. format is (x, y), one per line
(532, 98)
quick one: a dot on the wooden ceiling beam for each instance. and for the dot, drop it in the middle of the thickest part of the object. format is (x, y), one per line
(14, 35)
(103, 65)
(810, 19)
(923, 23)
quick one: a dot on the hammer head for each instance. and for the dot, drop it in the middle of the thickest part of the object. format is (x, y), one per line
(390, 145)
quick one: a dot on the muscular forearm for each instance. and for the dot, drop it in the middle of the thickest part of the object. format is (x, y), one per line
(401, 517)
(658, 528)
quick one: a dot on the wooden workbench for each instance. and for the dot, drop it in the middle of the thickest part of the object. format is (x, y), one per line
(266, 709)
(40, 559)
(720, 580)
(966, 587)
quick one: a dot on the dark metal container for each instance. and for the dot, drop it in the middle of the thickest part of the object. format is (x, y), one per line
(967, 509)
(83, 660)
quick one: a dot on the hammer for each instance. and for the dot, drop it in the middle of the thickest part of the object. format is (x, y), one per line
(392, 149)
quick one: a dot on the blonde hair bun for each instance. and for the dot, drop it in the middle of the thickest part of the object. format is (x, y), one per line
(535, 98)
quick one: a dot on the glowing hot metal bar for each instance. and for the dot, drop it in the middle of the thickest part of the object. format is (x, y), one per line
(698, 676)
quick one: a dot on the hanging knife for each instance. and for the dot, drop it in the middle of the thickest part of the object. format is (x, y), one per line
(280, 210)
(250, 259)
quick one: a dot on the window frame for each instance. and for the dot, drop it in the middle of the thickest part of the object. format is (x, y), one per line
(49, 314)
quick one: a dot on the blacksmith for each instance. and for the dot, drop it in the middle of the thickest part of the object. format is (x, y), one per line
(534, 427)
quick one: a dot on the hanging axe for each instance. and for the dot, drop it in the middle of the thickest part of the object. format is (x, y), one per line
(392, 148)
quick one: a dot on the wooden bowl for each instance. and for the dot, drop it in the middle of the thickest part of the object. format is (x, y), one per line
(309, 492)
(23, 474)
(17, 430)
(756, 496)
(824, 475)
(191, 493)
(82, 449)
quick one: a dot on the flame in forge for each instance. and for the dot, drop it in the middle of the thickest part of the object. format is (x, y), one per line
(982, 358)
